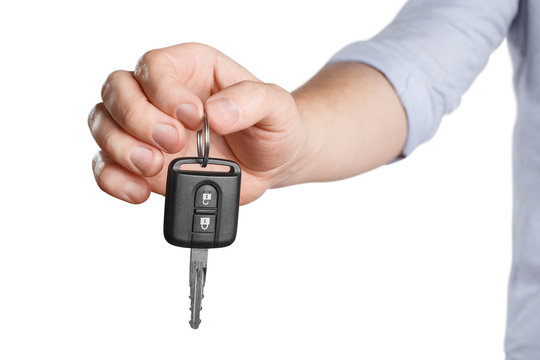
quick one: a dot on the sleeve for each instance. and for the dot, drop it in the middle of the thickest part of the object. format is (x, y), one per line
(431, 53)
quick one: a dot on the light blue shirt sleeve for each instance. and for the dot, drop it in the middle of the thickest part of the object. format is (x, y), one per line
(431, 53)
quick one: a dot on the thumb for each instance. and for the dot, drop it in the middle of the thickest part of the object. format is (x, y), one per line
(247, 103)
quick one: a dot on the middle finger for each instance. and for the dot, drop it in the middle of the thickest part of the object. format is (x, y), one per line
(131, 110)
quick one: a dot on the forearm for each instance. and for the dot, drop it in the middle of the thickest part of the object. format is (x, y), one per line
(353, 121)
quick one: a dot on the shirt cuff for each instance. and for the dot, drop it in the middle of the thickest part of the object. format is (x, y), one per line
(413, 94)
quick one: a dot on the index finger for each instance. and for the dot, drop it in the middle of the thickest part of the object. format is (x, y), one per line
(163, 86)
(175, 79)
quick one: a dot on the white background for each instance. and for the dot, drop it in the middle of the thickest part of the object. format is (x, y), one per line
(409, 261)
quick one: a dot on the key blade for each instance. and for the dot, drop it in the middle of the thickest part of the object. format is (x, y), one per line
(197, 278)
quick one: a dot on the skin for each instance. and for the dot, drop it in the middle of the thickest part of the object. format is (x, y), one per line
(345, 121)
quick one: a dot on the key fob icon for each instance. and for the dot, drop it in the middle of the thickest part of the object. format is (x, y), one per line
(205, 223)
(207, 197)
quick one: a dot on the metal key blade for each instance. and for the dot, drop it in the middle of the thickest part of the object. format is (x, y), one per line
(197, 278)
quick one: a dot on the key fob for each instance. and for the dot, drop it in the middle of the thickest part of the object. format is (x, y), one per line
(201, 207)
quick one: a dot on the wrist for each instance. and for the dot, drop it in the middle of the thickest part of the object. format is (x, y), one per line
(299, 167)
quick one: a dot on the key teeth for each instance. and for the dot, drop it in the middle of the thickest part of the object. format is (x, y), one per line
(198, 260)
(194, 324)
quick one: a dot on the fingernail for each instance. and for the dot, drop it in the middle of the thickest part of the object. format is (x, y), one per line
(187, 112)
(166, 136)
(142, 158)
(134, 191)
(223, 109)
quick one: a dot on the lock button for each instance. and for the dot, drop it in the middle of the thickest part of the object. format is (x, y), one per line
(206, 197)
(204, 223)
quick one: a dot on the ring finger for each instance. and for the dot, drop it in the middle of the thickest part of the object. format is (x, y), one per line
(123, 148)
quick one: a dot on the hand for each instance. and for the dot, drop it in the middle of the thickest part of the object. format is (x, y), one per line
(149, 117)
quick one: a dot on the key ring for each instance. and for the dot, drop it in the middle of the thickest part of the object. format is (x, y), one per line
(206, 131)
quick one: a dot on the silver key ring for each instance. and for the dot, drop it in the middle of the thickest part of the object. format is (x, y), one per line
(206, 131)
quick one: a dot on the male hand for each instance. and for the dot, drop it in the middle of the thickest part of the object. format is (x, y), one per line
(149, 117)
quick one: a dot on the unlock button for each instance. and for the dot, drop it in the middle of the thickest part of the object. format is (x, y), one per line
(204, 223)
(206, 197)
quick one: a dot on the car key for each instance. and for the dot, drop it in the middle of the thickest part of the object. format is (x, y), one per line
(201, 212)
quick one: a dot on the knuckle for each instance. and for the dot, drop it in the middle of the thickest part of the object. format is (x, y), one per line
(152, 55)
(197, 47)
(95, 118)
(146, 61)
(277, 90)
(275, 87)
(258, 90)
(92, 116)
(98, 164)
(284, 96)
(110, 83)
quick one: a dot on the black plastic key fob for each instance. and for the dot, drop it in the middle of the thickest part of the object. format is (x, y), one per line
(201, 207)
